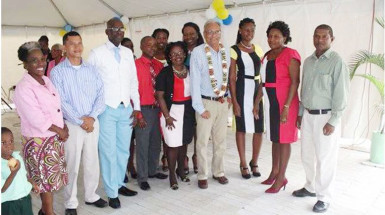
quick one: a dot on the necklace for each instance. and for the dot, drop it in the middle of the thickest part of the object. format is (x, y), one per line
(248, 47)
(180, 73)
(223, 87)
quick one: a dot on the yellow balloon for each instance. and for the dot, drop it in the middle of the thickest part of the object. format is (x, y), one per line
(223, 14)
(218, 5)
(62, 32)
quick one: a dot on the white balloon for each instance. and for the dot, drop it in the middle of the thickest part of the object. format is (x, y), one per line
(124, 19)
(211, 13)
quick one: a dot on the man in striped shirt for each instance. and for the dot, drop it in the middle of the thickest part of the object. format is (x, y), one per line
(82, 96)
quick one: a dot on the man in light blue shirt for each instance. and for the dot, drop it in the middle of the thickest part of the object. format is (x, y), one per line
(209, 74)
(82, 98)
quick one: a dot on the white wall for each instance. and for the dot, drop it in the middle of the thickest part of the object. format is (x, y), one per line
(350, 20)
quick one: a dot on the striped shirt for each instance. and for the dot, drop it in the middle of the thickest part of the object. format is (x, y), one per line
(81, 90)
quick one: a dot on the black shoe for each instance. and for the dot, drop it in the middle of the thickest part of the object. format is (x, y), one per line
(40, 212)
(144, 186)
(158, 176)
(320, 207)
(100, 203)
(114, 202)
(125, 178)
(73, 212)
(134, 175)
(303, 193)
(126, 192)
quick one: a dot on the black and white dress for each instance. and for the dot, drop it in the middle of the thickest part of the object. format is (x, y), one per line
(248, 81)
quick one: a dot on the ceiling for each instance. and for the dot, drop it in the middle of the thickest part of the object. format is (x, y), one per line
(57, 13)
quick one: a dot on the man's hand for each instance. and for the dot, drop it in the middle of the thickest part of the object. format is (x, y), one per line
(328, 129)
(205, 115)
(134, 117)
(299, 121)
(88, 124)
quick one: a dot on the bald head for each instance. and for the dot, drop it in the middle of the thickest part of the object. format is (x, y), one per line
(112, 22)
(145, 40)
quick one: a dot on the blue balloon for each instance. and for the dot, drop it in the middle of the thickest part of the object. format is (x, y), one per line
(228, 20)
(218, 20)
(68, 28)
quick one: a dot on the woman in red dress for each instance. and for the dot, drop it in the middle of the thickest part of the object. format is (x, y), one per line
(280, 77)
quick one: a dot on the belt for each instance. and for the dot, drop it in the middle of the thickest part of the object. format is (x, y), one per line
(149, 106)
(318, 112)
(214, 98)
(256, 78)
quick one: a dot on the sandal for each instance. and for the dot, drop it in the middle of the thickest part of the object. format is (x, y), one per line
(256, 173)
(247, 175)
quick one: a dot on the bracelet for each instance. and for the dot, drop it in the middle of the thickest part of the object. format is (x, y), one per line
(286, 106)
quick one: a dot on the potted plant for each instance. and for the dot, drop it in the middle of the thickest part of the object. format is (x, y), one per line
(378, 137)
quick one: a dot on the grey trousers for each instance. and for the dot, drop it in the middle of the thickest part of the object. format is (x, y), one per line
(148, 144)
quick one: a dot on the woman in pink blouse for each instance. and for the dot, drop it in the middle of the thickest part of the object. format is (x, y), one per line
(42, 126)
(57, 55)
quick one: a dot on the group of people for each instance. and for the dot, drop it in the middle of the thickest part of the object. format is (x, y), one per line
(85, 111)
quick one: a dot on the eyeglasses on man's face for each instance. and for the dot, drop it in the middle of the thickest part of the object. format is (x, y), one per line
(115, 29)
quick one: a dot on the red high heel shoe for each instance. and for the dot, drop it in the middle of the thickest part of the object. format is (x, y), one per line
(268, 181)
(276, 190)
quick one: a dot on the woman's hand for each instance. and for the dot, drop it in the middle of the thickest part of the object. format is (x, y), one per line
(284, 113)
(256, 112)
(236, 109)
(63, 133)
(170, 122)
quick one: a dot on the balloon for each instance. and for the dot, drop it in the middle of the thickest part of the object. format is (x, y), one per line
(68, 27)
(62, 32)
(223, 14)
(218, 20)
(124, 19)
(218, 5)
(228, 20)
(211, 13)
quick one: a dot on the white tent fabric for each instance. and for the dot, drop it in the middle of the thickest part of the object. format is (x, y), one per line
(350, 19)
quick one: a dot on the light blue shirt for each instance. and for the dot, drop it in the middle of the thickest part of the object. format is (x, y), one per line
(200, 77)
(20, 186)
(81, 90)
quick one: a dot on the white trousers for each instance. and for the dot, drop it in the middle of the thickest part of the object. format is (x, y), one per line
(81, 144)
(319, 155)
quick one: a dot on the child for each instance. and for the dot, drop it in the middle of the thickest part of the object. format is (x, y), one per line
(15, 188)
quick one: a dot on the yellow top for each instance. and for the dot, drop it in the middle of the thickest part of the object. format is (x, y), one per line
(257, 49)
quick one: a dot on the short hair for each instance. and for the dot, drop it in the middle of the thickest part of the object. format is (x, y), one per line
(70, 34)
(242, 23)
(43, 38)
(282, 27)
(144, 39)
(126, 39)
(196, 27)
(210, 21)
(112, 21)
(158, 30)
(170, 46)
(56, 46)
(325, 27)
(5, 130)
(23, 51)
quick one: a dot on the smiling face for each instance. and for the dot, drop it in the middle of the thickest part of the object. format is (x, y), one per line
(56, 52)
(115, 37)
(177, 56)
(7, 145)
(322, 40)
(73, 47)
(161, 40)
(36, 63)
(190, 36)
(148, 47)
(275, 39)
(247, 31)
(212, 34)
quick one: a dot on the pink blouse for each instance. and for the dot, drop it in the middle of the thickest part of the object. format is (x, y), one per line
(38, 107)
(51, 65)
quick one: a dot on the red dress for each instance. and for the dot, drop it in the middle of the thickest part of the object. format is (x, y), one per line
(276, 81)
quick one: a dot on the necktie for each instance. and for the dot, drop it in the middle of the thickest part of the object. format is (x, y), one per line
(117, 55)
(153, 76)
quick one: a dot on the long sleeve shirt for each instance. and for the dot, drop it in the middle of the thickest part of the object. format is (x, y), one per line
(200, 77)
(38, 107)
(81, 90)
(119, 78)
(325, 85)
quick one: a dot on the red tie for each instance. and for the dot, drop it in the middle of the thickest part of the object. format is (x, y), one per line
(153, 76)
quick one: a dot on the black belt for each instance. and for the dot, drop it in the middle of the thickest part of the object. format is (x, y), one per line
(122, 103)
(318, 112)
(213, 98)
(149, 106)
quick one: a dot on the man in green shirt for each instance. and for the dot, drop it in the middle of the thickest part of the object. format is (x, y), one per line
(324, 95)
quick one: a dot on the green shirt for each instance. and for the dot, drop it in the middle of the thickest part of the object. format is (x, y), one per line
(325, 85)
(20, 186)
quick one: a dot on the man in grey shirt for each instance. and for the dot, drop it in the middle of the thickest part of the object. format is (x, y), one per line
(324, 95)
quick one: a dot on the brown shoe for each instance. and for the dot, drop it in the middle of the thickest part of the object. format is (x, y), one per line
(202, 184)
(221, 180)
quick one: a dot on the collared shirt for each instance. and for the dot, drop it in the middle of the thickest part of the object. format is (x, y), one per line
(20, 186)
(200, 77)
(325, 85)
(51, 65)
(38, 107)
(80, 89)
(119, 78)
(146, 90)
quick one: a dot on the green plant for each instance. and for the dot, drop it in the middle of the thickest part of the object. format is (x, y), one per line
(364, 57)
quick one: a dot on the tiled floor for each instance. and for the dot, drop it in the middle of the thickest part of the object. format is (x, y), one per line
(359, 189)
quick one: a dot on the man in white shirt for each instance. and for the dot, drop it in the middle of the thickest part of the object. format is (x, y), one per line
(116, 66)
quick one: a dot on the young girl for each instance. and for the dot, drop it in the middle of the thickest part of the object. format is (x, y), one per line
(15, 188)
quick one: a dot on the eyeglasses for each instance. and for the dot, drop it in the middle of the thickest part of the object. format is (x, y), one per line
(122, 29)
(210, 32)
(176, 54)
